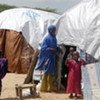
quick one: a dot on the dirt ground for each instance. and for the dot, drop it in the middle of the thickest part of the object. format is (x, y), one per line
(8, 91)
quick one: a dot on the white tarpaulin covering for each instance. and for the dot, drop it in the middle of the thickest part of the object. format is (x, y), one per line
(91, 81)
(80, 26)
(32, 23)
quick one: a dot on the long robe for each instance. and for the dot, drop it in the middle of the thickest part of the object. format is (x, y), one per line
(74, 77)
(46, 61)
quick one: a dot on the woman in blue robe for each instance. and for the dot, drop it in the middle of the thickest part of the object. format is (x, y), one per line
(46, 60)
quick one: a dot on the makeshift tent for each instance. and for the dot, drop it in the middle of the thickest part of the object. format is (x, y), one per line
(80, 26)
(21, 29)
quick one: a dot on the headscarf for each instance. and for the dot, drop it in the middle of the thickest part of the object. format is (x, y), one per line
(51, 29)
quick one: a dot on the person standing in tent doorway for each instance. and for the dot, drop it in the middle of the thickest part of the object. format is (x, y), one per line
(46, 60)
(69, 56)
(74, 76)
(71, 50)
(3, 69)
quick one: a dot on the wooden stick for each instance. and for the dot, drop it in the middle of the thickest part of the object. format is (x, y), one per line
(28, 78)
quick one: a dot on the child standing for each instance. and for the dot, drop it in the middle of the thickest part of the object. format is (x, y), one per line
(74, 76)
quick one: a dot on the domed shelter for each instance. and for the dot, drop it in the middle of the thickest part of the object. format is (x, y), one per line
(21, 29)
(80, 27)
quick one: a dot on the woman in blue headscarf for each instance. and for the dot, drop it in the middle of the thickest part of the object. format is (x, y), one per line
(46, 61)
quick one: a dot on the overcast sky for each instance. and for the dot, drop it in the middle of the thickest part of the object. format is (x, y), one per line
(59, 5)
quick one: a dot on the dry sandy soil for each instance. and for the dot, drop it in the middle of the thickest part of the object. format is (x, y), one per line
(8, 91)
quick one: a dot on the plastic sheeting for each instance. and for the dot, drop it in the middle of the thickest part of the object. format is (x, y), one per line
(80, 26)
(32, 23)
(91, 81)
(18, 28)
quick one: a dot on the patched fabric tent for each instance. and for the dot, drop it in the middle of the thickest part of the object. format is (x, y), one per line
(21, 29)
(80, 26)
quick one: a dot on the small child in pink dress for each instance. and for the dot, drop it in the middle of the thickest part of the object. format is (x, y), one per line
(74, 76)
